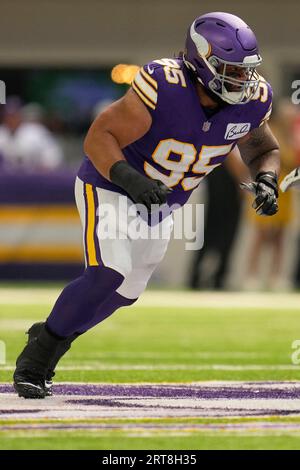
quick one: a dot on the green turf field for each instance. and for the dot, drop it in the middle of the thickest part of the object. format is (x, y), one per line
(159, 343)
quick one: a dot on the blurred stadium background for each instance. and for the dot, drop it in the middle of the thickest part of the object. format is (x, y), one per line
(62, 61)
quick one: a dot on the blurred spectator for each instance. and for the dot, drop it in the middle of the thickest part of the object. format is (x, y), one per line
(25, 142)
(222, 216)
(269, 232)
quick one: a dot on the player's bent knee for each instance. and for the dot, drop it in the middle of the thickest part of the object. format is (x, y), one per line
(102, 278)
(134, 284)
(122, 265)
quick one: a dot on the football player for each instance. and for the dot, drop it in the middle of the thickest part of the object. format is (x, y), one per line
(179, 121)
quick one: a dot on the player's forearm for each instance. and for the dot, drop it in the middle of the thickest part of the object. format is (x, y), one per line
(103, 149)
(267, 162)
(260, 151)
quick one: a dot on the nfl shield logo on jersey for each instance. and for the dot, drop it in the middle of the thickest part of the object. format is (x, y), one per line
(206, 126)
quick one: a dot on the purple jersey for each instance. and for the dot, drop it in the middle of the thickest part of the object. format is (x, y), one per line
(183, 144)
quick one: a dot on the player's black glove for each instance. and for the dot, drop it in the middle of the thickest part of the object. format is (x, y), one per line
(265, 188)
(141, 189)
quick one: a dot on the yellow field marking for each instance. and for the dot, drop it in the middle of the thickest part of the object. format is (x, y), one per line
(49, 213)
(35, 253)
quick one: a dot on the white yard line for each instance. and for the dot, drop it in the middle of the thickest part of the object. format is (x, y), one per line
(174, 367)
(16, 324)
(165, 299)
(112, 355)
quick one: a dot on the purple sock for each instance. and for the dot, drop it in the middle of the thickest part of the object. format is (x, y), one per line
(80, 303)
(107, 308)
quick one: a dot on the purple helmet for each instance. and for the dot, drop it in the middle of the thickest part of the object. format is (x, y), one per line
(215, 43)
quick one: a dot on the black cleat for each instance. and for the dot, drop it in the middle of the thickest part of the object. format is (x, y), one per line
(27, 385)
(33, 364)
(33, 333)
(63, 347)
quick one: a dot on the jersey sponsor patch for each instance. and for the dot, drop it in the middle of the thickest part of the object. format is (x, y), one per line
(237, 130)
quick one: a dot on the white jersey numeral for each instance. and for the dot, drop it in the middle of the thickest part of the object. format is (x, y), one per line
(173, 72)
(175, 76)
(180, 157)
(168, 63)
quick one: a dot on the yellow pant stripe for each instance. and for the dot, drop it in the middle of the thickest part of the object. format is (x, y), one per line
(90, 241)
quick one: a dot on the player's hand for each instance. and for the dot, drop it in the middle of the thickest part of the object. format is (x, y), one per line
(141, 189)
(292, 179)
(265, 188)
(150, 192)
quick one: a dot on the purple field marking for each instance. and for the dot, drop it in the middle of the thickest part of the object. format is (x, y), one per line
(211, 413)
(175, 392)
(179, 392)
(117, 396)
(4, 388)
(105, 402)
(6, 412)
(183, 391)
(156, 427)
(232, 411)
